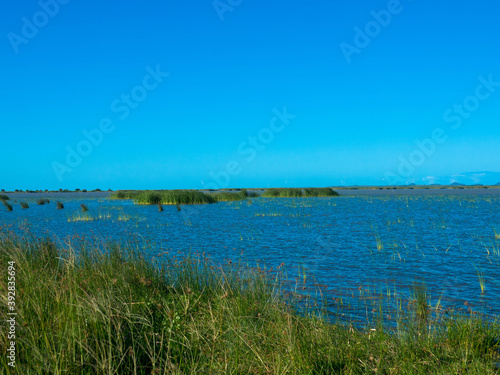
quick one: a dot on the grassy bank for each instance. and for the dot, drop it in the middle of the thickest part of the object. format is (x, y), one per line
(104, 309)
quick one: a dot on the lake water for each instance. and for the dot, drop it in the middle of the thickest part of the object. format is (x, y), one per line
(363, 250)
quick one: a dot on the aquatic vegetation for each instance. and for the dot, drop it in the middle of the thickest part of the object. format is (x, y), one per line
(296, 193)
(59, 205)
(231, 196)
(24, 205)
(160, 207)
(42, 201)
(8, 206)
(284, 192)
(320, 192)
(77, 216)
(480, 276)
(174, 197)
(84, 207)
(122, 217)
(420, 300)
(4, 197)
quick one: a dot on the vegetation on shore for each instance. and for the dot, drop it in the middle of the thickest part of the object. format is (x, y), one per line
(90, 308)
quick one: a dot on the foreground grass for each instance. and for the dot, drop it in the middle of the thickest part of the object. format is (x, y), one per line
(104, 309)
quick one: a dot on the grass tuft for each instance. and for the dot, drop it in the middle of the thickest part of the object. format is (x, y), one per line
(24, 205)
(84, 207)
(59, 205)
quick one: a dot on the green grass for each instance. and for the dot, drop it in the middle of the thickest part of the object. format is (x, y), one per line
(294, 192)
(195, 197)
(96, 309)
(320, 192)
(233, 196)
(174, 197)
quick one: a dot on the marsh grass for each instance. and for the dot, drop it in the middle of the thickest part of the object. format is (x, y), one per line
(174, 197)
(232, 196)
(4, 197)
(59, 205)
(84, 207)
(7, 206)
(297, 193)
(42, 201)
(320, 192)
(94, 308)
(160, 207)
(24, 205)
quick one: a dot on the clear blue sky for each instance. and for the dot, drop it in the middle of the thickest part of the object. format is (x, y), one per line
(231, 69)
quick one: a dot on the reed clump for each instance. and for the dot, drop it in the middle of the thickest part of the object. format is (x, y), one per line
(7, 206)
(24, 205)
(84, 207)
(233, 196)
(4, 197)
(59, 205)
(42, 201)
(93, 308)
(174, 197)
(297, 193)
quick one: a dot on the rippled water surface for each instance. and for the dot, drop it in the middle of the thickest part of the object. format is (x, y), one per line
(362, 253)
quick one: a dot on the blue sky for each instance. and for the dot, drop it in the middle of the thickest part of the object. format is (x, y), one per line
(362, 83)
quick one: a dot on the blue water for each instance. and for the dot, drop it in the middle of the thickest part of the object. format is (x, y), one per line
(361, 254)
